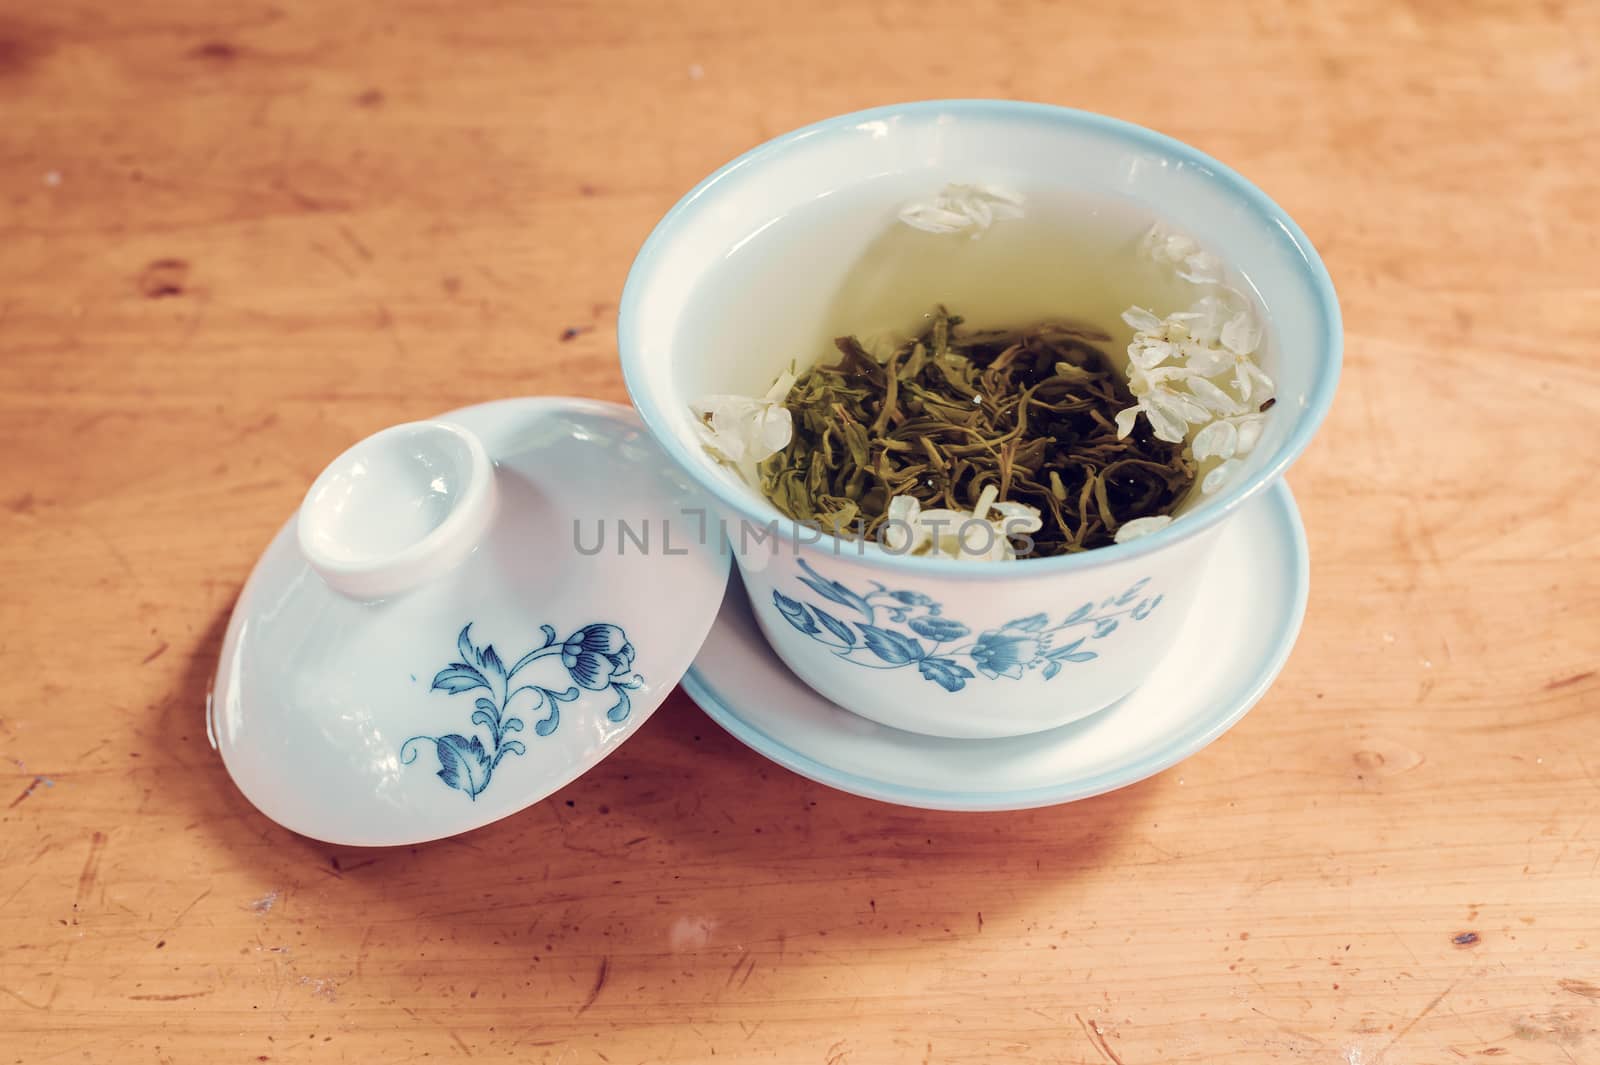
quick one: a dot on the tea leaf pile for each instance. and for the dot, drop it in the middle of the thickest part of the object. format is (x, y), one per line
(1030, 411)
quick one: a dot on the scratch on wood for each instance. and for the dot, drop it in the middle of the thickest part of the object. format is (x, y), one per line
(163, 279)
(1579, 987)
(493, 278)
(33, 786)
(326, 253)
(202, 305)
(25, 882)
(218, 50)
(153, 655)
(1587, 772)
(305, 201)
(386, 323)
(181, 915)
(1398, 939)
(170, 998)
(738, 967)
(1098, 1039)
(599, 982)
(1429, 1008)
(1263, 886)
(112, 549)
(354, 241)
(1567, 682)
(91, 867)
(460, 1043)
(361, 951)
(25, 1002)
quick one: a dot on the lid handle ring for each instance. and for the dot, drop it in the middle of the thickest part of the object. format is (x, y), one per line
(398, 509)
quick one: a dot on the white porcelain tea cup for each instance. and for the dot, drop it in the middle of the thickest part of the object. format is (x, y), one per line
(934, 645)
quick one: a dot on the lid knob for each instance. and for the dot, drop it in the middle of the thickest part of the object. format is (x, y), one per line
(398, 509)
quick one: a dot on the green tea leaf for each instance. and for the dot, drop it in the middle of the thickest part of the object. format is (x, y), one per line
(1031, 411)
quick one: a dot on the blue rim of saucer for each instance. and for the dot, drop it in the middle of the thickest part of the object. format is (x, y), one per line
(1232, 497)
(1207, 724)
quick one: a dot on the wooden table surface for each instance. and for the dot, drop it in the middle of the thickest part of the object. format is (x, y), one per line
(235, 237)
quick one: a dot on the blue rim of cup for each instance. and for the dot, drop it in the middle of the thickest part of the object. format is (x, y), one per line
(1208, 724)
(1309, 419)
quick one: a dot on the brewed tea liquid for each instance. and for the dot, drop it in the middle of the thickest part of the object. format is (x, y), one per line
(844, 264)
(1068, 258)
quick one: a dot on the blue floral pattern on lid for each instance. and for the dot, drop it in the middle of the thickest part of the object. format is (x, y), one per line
(596, 657)
(905, 628)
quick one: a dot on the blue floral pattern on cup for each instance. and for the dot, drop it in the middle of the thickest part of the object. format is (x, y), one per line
(900, 629)
(597, 657)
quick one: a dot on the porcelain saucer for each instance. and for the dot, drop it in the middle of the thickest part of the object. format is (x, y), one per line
(1232, 646)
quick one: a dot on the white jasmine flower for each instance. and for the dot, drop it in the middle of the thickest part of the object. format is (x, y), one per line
(979, 535)
(1242, 334)
(1166, 411)
(1176, 412)
(1132, 530)
(1173, 364)
(1204, 320)
(1206, 359)
(1169, 410)
(1172, 430)
(1217, 440)
(1148, 352)
(1213, 482)
(963, 208)
(1215, 399)
(737, 428)
(1141, 320)
(1194, 371)
(1250, 382)
(1126, 420)
(1202, 268)
(1250, 428)
(1227, 438)
(1015, 519)
(1180, 250)
(902, 531)
(1225, 333)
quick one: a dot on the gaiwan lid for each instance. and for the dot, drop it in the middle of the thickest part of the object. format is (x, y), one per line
(464, 615)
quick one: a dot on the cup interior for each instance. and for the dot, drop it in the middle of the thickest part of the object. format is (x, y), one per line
(798, 241)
